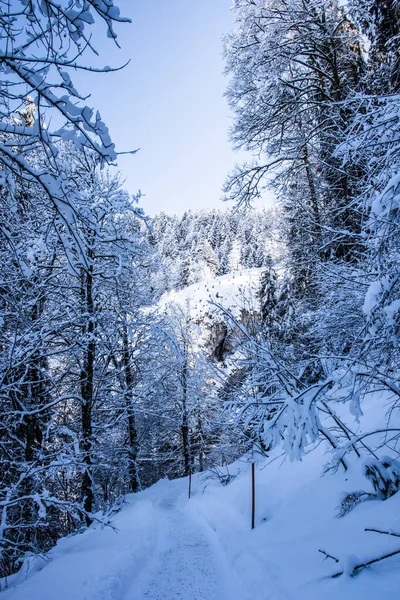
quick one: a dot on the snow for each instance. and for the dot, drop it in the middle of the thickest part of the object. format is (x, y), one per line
(234, 292)
(372, 296)
(164, 546)
(391, 311)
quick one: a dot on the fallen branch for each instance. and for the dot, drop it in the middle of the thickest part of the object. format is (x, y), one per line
(361, 566)
(328, 556)
(383, 532)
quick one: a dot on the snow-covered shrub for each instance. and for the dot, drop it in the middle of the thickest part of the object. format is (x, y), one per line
(349, 501)
(384, 476)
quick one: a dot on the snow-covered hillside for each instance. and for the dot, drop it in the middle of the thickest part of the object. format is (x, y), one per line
(164, 546)
(234, 292)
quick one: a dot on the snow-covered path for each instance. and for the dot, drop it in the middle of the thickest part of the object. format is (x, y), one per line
(188, 564)
(158, 550)
(162, 546)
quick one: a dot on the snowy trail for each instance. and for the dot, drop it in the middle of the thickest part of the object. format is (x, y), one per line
(163, 546)
(160, 550)
(188, 564)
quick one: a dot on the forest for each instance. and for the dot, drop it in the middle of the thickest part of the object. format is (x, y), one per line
(136, 349)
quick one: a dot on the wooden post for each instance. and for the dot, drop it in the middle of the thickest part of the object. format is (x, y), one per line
(190, 482)
(253, 494)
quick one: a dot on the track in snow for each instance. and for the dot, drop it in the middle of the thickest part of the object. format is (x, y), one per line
(188, 566)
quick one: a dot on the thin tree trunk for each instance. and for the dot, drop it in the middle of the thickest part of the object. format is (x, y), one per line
(134, 478)
(313, 193)
(201, 445)
(87, 393)
(187, 459)
(33, 397)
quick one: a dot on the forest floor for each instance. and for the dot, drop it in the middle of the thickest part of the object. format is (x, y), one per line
(163, 546)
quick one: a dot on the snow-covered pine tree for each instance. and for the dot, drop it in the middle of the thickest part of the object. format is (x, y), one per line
(267, 294)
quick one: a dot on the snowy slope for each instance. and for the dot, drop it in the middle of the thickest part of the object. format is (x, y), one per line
(164, 546)
(234, 292)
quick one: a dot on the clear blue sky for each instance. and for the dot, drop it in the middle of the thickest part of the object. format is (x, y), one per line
(168, 101)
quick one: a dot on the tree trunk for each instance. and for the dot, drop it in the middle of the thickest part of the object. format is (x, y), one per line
(87, 391)
(187, 459)
(134, 478)
(313, 193)
(201, 445)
